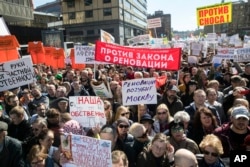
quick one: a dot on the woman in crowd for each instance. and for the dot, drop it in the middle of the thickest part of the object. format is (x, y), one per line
(212, 101)
(212, 148)
(37, 157)
(147, 121)
(158, 154)
(108, 112)
(53, 116)
(122, 111)
(122, 125)
(187, 96)
(186, 78)
(141, 110)
(46, 139)
(178, 139)
(184, 118)
(204, 123)
(119, 159)
(162, 119)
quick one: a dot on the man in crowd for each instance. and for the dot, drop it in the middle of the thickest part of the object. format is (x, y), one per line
(232, 135)
(184, 158)
(10, 149)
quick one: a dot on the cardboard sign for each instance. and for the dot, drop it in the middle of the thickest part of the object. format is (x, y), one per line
(87, 110)
(154, 23)
(86, 151)
(16, 73)
(168, 59)
(139, 91)
(84, 54)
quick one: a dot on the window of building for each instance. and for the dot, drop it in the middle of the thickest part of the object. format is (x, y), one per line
(109, 30)
(76, 33)
(72, 15)
(88, 13)
(90, 32)
(106, 1)
(71, 4)
(88, 2)
(107, 12)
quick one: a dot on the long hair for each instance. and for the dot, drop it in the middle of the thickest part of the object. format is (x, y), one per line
(207, 112)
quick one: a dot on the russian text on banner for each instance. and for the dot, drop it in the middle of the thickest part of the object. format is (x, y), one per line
(168, 59)
(16, 73)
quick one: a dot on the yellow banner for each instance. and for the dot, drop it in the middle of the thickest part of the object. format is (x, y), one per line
(215, 14)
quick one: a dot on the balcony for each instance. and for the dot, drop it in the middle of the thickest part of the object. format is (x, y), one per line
(13, 12)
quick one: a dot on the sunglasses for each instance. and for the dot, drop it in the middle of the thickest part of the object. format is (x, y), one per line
(123, 114)
(123, 126)
(210, 153)
(161, 113)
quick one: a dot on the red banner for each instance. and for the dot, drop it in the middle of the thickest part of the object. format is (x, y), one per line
(168, 59)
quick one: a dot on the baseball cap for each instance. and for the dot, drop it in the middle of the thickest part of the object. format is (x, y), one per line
(173, 87)
(240, 111)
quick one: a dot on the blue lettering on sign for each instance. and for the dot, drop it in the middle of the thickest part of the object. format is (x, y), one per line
(146, 97)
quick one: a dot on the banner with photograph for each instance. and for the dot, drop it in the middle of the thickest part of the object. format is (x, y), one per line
(102, 89)
(168, 59)
(83, 151)
(139, 91)
(87, 110)
(16, 73)
(106, 37)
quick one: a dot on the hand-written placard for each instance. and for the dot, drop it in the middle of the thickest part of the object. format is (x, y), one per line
(139, 91)
(84, 54)
(88, 151)
(16, 73)
(87, 110)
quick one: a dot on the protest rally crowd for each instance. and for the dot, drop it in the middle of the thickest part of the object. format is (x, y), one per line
(202, 113)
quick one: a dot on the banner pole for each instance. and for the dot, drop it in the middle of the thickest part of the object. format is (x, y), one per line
(155, 33)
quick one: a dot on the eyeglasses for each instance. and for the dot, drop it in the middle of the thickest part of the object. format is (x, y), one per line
(161, 113)
(210, 153)
(126, 113)
(123, 126)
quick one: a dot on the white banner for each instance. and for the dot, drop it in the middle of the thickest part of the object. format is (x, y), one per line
(16, 73)
(242, 55)
(86, 151)
(140, 39)
(101, 90)
(87, 110)
(84, 54)
(139, 91)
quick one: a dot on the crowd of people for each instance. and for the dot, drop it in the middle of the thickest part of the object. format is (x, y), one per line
(202, 113)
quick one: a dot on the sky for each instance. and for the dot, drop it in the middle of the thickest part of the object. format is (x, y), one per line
(183, 12)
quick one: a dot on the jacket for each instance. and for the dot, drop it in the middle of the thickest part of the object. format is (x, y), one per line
(11, 155)
(229, 139)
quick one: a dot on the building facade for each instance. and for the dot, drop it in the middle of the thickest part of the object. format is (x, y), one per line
(16, 10)
(240, 20)
(83, 20)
